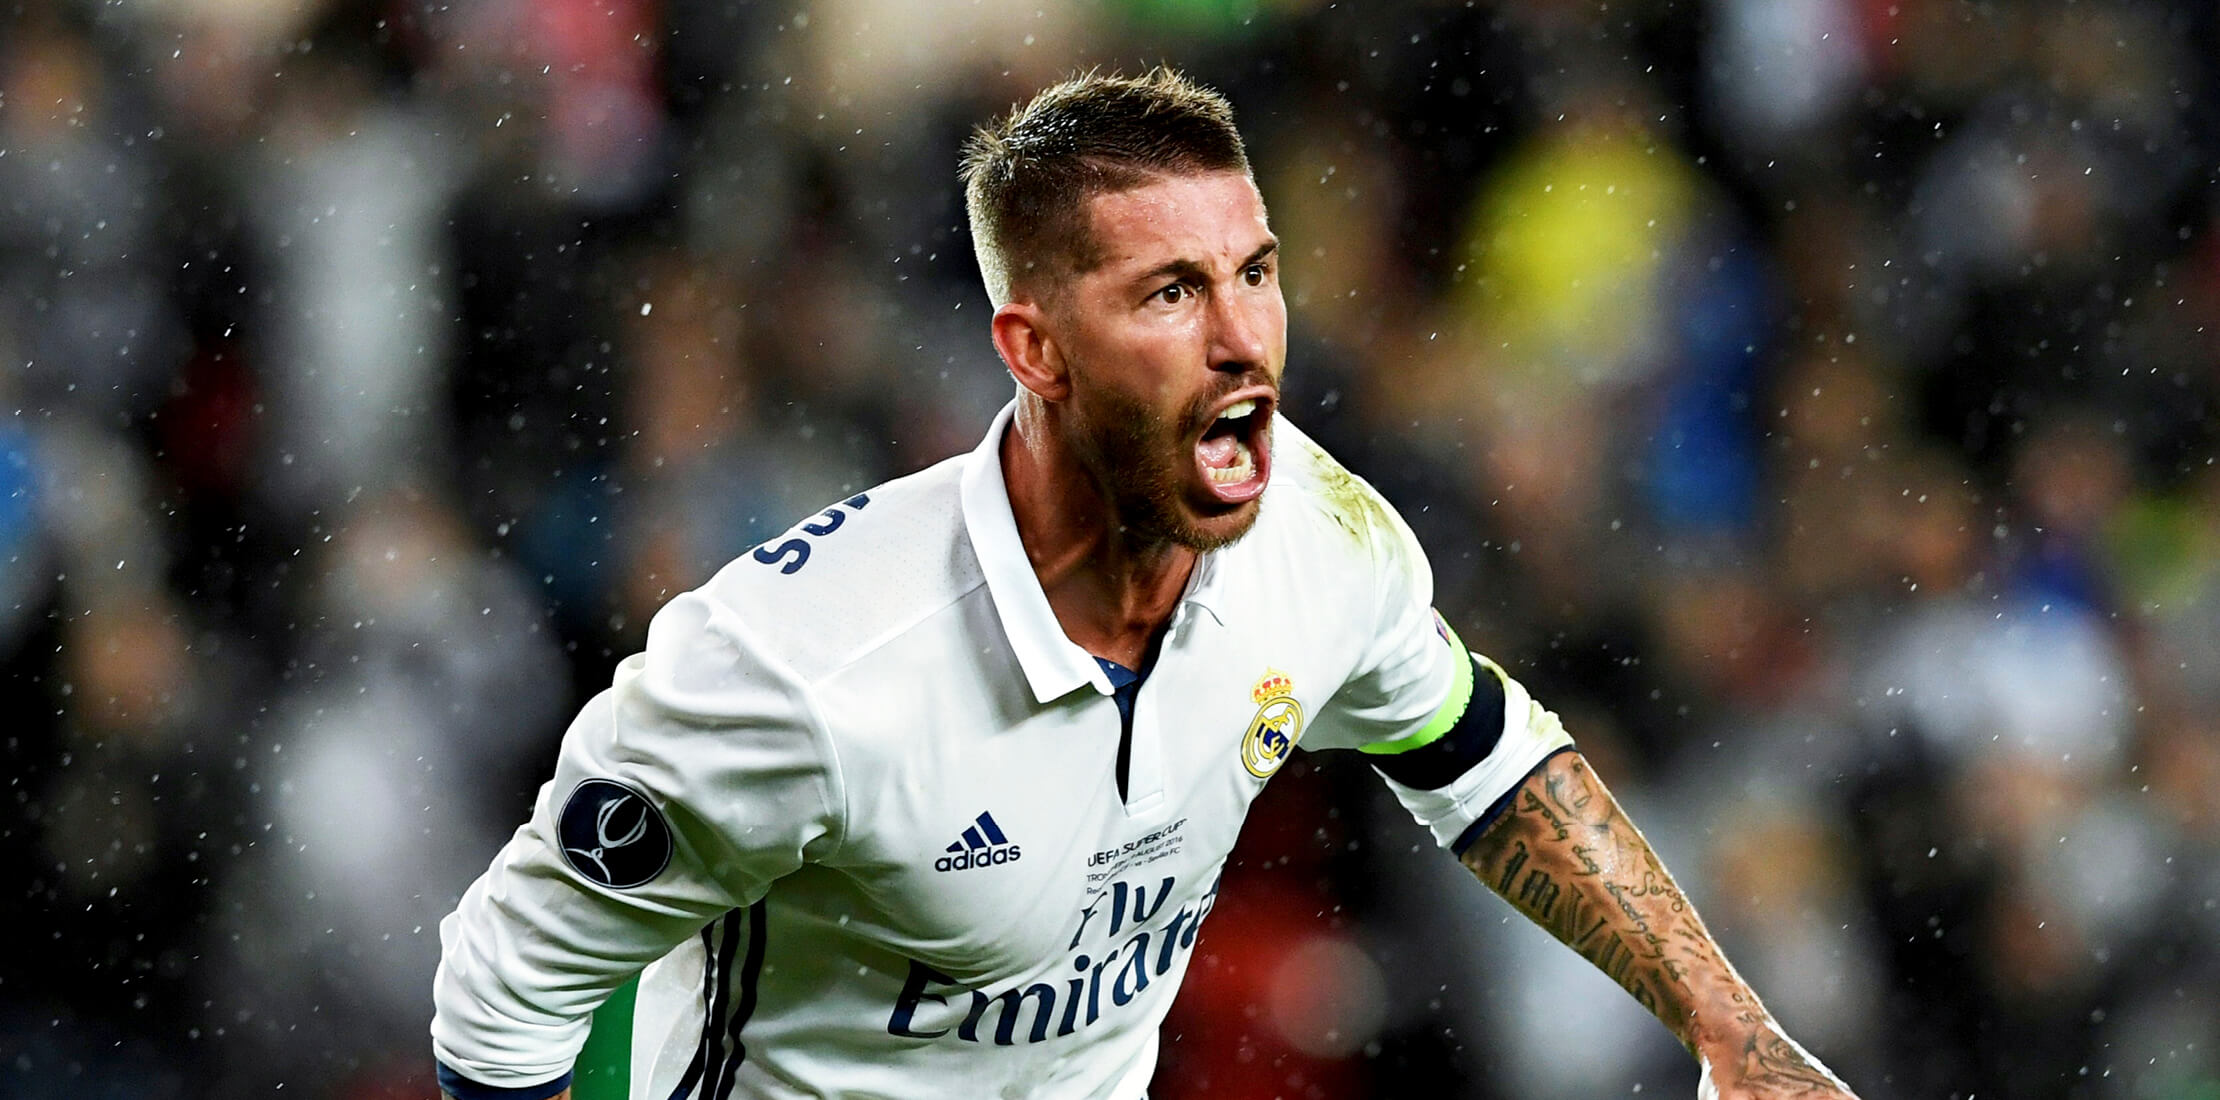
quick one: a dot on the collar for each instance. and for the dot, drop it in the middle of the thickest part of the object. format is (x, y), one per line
(1054, 665)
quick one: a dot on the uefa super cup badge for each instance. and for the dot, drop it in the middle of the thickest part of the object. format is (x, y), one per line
(1277, 726)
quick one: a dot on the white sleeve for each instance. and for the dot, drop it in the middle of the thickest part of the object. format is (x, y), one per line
(683, 791)
(1531, 734)
(1406, 668)
(1410, 695)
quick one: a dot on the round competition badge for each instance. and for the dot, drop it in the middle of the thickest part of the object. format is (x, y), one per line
(613, 835)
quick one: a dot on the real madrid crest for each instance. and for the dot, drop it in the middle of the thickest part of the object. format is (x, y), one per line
(1275, 729)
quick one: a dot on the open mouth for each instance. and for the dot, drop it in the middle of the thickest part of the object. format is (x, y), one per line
(1234, 452)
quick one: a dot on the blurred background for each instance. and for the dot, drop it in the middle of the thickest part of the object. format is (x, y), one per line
(1812, 400)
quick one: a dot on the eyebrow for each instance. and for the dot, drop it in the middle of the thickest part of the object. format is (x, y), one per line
(1192, 271)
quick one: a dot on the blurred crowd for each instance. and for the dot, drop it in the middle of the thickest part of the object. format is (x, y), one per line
(1814, 401)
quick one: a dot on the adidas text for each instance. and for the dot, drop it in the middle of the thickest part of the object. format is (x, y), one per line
(987, 857)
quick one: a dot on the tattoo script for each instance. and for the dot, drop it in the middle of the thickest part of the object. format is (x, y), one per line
(1571, 861)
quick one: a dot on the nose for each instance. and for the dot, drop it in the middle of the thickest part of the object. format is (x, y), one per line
(1240, 332)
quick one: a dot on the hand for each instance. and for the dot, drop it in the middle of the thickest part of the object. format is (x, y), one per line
(1766, 1064)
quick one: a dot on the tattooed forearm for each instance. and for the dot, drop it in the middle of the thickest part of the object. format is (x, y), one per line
(1768, 1059)
(1531, 803)
(1571, 861)
(1567, 857)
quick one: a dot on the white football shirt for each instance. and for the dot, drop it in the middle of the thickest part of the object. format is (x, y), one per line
(855, 809)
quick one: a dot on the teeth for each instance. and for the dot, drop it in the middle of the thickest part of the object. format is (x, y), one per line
(1238, 410)
(1243, 468)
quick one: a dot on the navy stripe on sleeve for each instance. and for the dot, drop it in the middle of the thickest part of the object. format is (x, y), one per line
(713, 1029)
(1436, 765)
(716, 966)
(463, 1088)
(751, 973)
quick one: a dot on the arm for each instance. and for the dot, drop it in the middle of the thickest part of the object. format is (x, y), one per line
(1451, 732)
(1564, 854)
(680, 795)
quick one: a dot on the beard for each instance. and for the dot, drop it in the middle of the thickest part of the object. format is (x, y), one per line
(1143, 463)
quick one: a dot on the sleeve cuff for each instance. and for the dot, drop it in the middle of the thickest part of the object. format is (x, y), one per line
(463, 1088)
(1501, 805)
(1531, 734)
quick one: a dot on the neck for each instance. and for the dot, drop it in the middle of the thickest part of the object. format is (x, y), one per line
(1111, 589)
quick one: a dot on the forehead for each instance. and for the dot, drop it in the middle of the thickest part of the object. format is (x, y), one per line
(1211, 216)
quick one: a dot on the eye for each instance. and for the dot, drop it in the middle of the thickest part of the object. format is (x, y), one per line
(1254, 274)
(1174, 294)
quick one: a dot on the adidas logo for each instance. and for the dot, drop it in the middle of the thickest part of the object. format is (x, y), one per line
(982, 845)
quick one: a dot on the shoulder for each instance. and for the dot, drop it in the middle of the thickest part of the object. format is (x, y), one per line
(1328, 505)
(848, 577)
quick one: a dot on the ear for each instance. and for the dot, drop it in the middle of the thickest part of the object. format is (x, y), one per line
(1022, 338)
